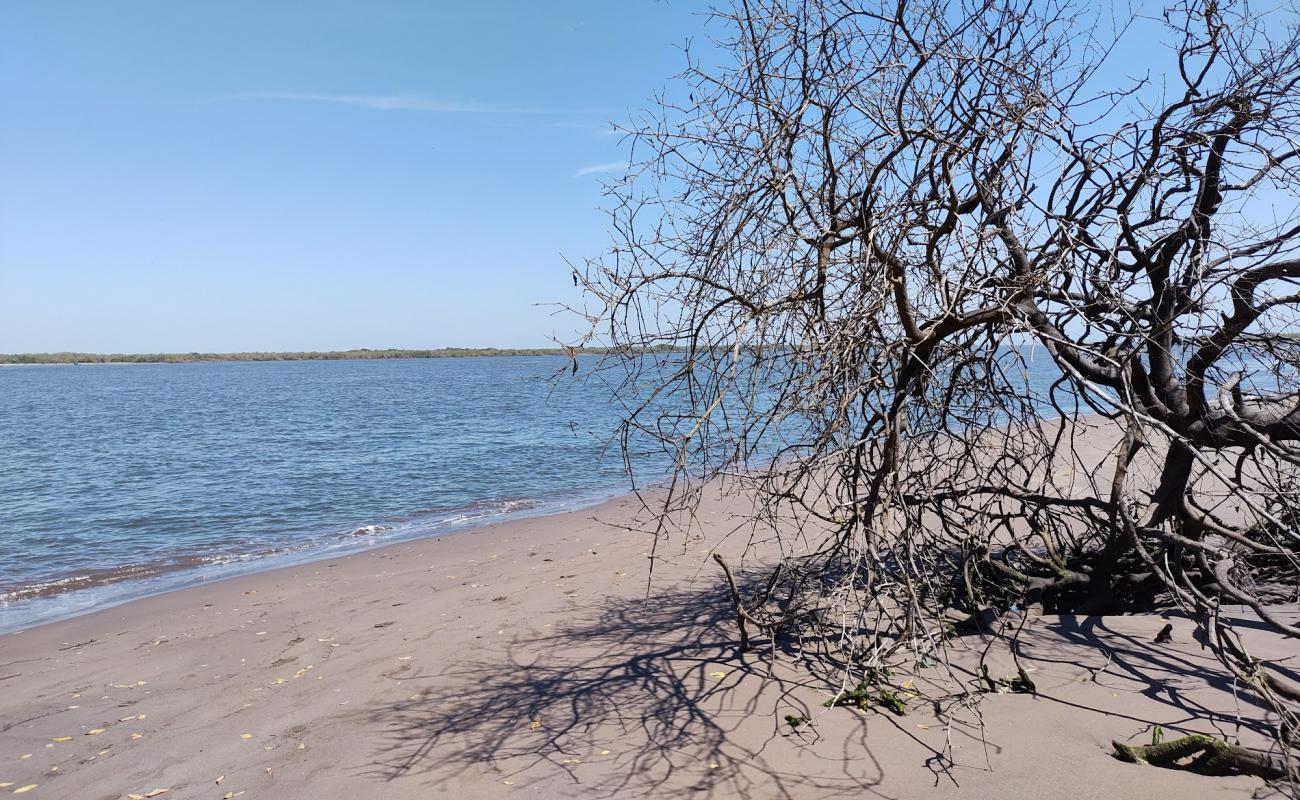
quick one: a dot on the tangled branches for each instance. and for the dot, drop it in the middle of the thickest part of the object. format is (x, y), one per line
(911, 261)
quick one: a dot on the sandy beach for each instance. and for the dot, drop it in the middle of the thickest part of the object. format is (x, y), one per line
(526, 660)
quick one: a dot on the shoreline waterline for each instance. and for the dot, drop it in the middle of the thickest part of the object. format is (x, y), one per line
(31, 606)
(120, 483)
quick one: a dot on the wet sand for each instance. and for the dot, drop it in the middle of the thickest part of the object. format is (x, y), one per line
(527, 660)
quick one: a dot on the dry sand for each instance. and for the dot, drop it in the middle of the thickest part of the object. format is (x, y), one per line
(524, 661)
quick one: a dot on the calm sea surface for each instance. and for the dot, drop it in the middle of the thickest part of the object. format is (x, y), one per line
(123, 480)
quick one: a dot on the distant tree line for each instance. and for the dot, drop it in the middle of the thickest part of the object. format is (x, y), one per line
(333, 355)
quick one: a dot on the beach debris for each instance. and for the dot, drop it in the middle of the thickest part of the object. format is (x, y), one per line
(220, 778)
(863, 698)
(95, 731)
(61, 739)
(25, 789)
(1166, 634)
(535, 725)
(137, 736)
(24, 755)
(1020, 683)
(230, 795)
(246, 736)
(508, 782)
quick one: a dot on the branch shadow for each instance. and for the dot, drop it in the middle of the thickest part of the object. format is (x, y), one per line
(1197, 693)
(640, 696)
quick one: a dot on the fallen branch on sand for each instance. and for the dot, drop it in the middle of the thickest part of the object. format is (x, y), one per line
(1208, 756)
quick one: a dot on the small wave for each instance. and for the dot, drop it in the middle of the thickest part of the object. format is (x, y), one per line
(479, 509)
(369, 530)
(74, 583)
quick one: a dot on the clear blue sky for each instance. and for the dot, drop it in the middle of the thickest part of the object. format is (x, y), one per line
(220, 176)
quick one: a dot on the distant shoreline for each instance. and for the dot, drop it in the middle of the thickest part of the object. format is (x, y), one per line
(9, 359)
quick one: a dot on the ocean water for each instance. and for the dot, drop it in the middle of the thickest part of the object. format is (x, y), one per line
(118, 481)
(122, 480)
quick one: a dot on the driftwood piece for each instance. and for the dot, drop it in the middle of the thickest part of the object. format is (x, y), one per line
(1208, 756)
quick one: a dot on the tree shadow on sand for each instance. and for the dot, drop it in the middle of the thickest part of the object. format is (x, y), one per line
(642, 696)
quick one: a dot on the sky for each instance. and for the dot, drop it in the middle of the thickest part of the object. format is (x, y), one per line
(190, 176)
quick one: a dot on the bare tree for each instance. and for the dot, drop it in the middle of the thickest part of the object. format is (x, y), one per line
(870, 235)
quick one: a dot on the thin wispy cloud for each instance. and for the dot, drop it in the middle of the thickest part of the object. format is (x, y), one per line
(594, 169)
(394, 102)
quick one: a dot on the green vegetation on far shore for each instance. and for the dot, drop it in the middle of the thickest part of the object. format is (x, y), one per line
(335, 355)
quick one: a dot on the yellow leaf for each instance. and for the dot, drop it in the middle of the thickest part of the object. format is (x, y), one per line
(25, 789)
(536, 725)
(717, 674)
(94, 731)
(155, 792)
(25, 755)
(135, 797)
(61, 739)
(246, 736)
(907, 684)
